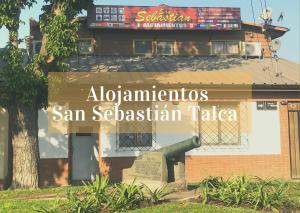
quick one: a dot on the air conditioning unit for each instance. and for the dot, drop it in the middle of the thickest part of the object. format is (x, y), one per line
(251, 49)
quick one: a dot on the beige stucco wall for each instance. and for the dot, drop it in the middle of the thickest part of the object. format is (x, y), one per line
(51, 145)
(258, 140)
(3, 140)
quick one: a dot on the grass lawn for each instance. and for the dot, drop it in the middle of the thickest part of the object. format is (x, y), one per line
(39, 193)
(28, 206)
(24, 201)
(24, 206)
(190, 208)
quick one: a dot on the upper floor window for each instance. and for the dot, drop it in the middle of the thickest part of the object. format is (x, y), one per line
(165, 47)
(142, 47)
(225, 47)
(85, 47)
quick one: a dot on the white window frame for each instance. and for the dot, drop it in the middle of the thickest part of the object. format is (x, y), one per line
(85, 40)
(225, 42)
(136, 53)
(173, 48)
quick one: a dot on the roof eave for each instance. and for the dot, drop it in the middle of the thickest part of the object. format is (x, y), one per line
(276, 87)
(276, 31)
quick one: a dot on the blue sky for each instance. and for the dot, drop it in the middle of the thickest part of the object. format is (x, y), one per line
(290, 42)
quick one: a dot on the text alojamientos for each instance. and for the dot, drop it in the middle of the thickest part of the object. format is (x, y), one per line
(122, 104)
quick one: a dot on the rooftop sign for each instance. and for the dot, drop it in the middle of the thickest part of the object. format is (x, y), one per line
(164, 18)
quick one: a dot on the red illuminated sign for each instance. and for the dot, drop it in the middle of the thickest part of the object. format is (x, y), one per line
(164, 18)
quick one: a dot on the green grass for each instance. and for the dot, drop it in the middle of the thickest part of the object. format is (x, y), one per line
(24, 201)
(28, 206)
(24, 206)
(32, 194)
(191, 208)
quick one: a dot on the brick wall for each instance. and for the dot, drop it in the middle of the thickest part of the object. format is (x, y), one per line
(255, 35)
(113, 167)
(54, 172)
(264, 166)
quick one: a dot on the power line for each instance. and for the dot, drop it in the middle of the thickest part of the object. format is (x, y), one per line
(261, 5)
(265, 3)
(253, 15)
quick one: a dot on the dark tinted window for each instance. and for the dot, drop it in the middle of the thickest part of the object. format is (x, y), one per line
(142, 47)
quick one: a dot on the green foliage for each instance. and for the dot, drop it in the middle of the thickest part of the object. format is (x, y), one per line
(69, 7)
(27, 83)
(25, 206)
(98, 196)
(44, 210)
(177, 207)
(81, 204)
(125, 197)
(54, 208)
(10, 12)
(61, 36)
(157, 195)
(98, 190)
(244, 191)
(59, 25)
(21, 82)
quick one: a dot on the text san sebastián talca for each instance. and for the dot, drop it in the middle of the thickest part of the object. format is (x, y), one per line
(144, 105)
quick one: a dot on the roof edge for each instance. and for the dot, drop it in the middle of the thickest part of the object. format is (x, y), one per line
(272, 27)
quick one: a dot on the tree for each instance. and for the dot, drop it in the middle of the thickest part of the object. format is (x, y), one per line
(24, 91)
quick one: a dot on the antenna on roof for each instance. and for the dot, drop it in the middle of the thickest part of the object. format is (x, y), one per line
(274, 47)
(266, 16)
(280, 18)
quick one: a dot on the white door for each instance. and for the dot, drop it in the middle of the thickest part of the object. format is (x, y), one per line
(85, 164)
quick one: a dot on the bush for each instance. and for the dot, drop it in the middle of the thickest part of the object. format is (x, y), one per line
(125, 197)
(244, 191)
(81, 204)
(157, 195)
(97, 191)
(99, 196)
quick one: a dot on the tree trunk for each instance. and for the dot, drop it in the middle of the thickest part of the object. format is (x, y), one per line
(25, 147)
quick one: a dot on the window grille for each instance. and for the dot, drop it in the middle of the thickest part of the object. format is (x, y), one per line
(85, 47)
(136, 135)
(216, 132)
(165, 48)
(225, 47)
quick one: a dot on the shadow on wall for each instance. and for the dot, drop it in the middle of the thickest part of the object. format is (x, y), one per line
(3, 141)
(113, 167)
(2, 150)
(53, 153)
(152, 64)
(51, 145)
(54, 172)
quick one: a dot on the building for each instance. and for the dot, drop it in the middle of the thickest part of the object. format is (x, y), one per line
(166, 39)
